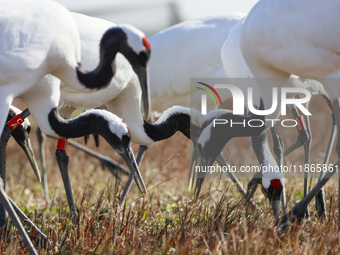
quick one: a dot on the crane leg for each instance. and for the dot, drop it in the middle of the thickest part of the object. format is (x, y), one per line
(41, 142)
(192, 173)
(299, 210)
(320, 204)
(63, 161)
(223, 162)
(6, 133)
(96, 139)
(38, 234)
(7, 205)
(303, 134)
(109, 163)
(3, 143)
(304, 138)
(307, 147)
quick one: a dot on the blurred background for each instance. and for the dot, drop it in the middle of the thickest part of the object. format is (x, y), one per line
(151, 16)
(166, 221)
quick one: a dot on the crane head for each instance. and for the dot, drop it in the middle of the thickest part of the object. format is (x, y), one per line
(22, 136)
(273, 191)
(117, 134)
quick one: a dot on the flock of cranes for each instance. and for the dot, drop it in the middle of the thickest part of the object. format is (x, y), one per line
(46, 49)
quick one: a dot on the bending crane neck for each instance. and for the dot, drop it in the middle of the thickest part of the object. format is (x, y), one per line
(109, 47)
(102, 75)
(164, 129)
(84, 124)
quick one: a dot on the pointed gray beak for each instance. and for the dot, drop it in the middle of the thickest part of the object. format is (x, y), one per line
(275, 203)
(143, 76)
(192, 174)
(274, 199)
(130, 160)
(199, 179)
(27, 147)
(252, 186)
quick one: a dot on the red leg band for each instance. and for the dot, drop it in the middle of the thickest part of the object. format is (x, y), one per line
(331, 107)
(62, 144)
(301, 124)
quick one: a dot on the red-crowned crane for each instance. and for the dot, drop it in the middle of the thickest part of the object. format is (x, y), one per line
(236, 68)
(299, 37)
(41, 37)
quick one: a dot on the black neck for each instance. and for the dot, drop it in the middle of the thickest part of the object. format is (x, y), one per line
(19, 133)
(176, 122)
(98, 78)
(84, 124)
(110, 45)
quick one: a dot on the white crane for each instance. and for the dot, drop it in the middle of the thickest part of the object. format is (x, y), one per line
(236, 67)
(237, 70)
(41, 37)
(280, 38)
(187, 50)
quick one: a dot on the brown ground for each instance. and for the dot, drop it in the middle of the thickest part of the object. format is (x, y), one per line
(166, 221)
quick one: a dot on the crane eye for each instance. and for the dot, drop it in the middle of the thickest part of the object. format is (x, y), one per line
(126, 140)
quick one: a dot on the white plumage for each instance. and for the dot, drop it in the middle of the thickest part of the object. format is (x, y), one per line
(40, 37)
(299, 37)
(188, 50)
(29, 47)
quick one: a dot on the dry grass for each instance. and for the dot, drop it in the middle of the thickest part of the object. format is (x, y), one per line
(166, 221)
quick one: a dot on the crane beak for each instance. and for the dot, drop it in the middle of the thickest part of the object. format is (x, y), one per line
(252, 186)
(199, 178)
(192, 173)
(27, 147)
(274, 199)
(143, 76)
(130, 160)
